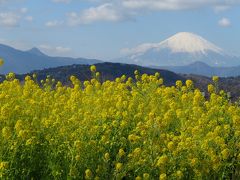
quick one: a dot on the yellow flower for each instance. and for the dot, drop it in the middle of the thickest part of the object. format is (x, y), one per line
(77, 144)
(211, 88)
(157, 74)
(73, 78)
(121, 152)
(77, 157)
(19, 125)
(119, 166)
(170, 146)
(29, 142)
(3, 165)
(184, 97)
(6, 132)
(137, 152)
(34, 76)
(133, 138)
(88, 174)
(1, 62)
(146, 176)
(179, 84)
(189, 83)
(93, 68)
(162, 160)
(147, 127)
(97, 75)
(179, 174)
(138, 178)
(22, 134)
(194, 162)
(163, 176)
(10, 76)
(107, 156)
(215, 79)
(238, 157)
(27, 78)
(96, 178)
(225, 154)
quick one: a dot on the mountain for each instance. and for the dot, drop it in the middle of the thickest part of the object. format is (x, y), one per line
(182, 49)
(25, 61)
(200, 68)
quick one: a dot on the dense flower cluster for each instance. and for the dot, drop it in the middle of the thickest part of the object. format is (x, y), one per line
(127, 128)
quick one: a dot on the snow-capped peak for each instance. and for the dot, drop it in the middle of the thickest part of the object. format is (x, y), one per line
(189, 43)
(184, 42)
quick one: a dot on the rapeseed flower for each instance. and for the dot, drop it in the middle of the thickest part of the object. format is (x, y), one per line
(119, 166)
(126, 128)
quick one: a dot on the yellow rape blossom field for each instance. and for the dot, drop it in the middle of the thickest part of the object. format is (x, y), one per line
(122, 129)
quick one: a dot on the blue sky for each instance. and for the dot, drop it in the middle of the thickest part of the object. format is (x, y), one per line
(102, 28)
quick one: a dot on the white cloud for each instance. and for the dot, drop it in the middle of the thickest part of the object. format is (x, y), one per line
(155, 5)
(55, 50)
(221, 8)
(24, 10)
(61, 49)
(224, 22)
(139, 49)
(105, 12)
(29, 18)
(61, 1)
(15, 44)
(25, 45)
(9, 19)
(118, 10)
(53, 23)
(176, 4)
(13, 18)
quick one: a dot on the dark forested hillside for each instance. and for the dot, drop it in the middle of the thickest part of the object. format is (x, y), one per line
(108, 71)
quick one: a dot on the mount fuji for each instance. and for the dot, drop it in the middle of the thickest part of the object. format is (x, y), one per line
(182, 49)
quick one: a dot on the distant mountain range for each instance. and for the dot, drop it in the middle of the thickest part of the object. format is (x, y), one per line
(184, 53)
(25, 61)
(182, 49)
(200, 68)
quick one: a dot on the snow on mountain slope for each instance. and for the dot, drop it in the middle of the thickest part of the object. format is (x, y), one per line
(189, 43)
(181, 49)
